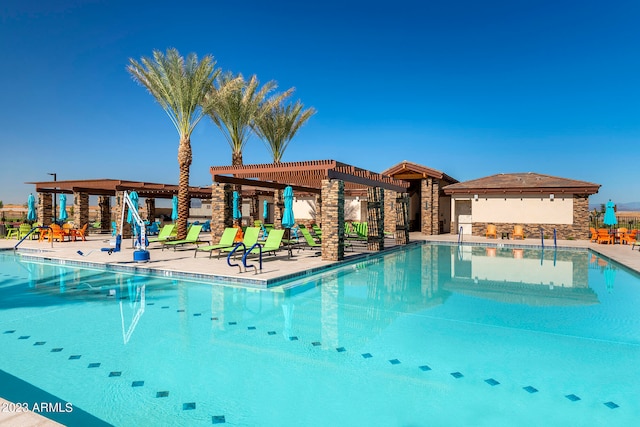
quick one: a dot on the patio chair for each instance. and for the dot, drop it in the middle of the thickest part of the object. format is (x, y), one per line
(309, 239)
(193, 237)
(23, 230)
(491, 231)
(518, 231)
(594, 234)
(249, 239)
(80, 232)
(604, 236)
(12, 232)
(273, 243)
(226, 241)
(164, 234)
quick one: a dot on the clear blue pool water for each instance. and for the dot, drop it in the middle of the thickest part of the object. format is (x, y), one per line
(432, 336)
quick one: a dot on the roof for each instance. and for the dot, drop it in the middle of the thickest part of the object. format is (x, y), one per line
(522, 183)
(304, 176)
(108, 187)
(408, 170)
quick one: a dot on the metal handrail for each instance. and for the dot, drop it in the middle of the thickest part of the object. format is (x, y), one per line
(29, 233)
(460, 236)
(555, 242)
(542, 237)
(244, 258)
(235, 248)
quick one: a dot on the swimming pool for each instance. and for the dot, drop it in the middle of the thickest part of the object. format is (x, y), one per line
(434, 335)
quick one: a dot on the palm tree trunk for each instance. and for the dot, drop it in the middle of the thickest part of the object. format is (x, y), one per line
(184, 162)
(236, 160)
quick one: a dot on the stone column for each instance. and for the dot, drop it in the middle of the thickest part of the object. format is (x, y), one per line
(151, 208)
(221, 209)
(254, 211)
(435, 206)
(80, 209)
(332, 220)
(389, 211)
(45, 208)
(278, 208)
(426, 204)
(104, 203)
(318, 210)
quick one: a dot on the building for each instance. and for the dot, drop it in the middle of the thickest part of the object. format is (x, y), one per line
(535, 201)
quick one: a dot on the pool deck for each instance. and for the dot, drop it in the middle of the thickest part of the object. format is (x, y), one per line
(182, 263)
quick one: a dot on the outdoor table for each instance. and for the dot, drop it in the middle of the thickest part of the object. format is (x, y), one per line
(505, 235)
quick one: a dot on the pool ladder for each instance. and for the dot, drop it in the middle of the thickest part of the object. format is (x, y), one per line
(29, 234)
(555, 240)
(244, 257)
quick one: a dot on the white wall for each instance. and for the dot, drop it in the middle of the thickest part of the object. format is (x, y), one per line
(523, 209)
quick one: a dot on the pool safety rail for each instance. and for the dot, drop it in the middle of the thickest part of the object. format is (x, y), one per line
(460, 236)
(245, 253)
(37, 227)
(555, 240)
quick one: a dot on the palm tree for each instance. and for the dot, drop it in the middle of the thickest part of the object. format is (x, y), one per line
(279, 124)
(179, 86)
(234, 105)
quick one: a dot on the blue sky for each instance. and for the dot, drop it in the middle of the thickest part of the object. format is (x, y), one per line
(465, 87)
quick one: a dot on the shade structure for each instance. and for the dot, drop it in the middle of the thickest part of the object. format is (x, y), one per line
(31, 208)
(610, 214)
(174, 211)
(63, 208)
(134, 200)
(287, 217)
(236, 206)
(265, 210)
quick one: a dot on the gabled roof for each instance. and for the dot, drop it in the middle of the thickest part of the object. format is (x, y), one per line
(522, 183)
(406, 170)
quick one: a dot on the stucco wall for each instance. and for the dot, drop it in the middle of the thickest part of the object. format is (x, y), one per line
(525, 209)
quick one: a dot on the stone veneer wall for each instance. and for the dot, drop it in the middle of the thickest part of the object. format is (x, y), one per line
(318, 218)
(375, 219)
(332, 220)
(278, 208)
(390, 211)
(104, 203)
(80, 209)
(151, 208)
(45, 208)
(429, 206)
(579, 230)
(253, 210)
(221, 210)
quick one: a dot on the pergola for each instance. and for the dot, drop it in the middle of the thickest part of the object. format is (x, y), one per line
(104, 189)
(328, 180)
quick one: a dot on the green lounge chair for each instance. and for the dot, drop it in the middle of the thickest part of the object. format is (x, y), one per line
(250, 238)
(164, 234)
(273, 243)
(309, 239)
(226, 241)
(193, 236)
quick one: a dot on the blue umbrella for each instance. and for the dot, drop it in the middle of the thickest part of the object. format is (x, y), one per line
(610, 214)
(287, 217)
(265, 210)
(63, 208)
(174, 212)
(134, 199)
(31, 208)
(236, 206)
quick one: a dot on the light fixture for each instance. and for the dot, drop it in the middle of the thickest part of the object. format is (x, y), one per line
(551, 197)
(475, 197)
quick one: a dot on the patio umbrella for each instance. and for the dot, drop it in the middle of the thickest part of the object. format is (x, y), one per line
(63, 208)
(174, 211)
(134, 200)
(236, 206)
(265, 211)
(31, 208)
(610, 214)
(287, 218)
